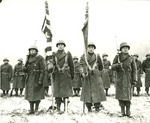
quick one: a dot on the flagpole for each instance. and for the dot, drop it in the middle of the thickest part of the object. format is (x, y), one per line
(85, 34)
(48, 50)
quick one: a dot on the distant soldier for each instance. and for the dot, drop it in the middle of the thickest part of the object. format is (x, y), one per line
(77, 81)
(146, 69)
(34, 90)
(63, 75)
(6, 76)
(19, 77)
(139, 72)
(125, 67)
(106, 72)
(46, 81)
(92, 89)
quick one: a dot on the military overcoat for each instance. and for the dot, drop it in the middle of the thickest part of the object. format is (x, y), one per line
(146, 69)
(105, 73)
(77, 81)
(6, 75)
(92, 89)
(35, 73)
(63, 74)
(19, 76)
(139, 73)
(125, 76)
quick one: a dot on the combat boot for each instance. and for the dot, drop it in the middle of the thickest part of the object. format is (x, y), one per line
(122, 111)
(21, 92)
(37, 107)
(16, 92)
(138, 93)
(128, 113)
(31, 108)
(106, 92)
(89, 109)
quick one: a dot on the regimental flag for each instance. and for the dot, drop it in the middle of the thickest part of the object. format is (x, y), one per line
(47, 31)
(85, 28)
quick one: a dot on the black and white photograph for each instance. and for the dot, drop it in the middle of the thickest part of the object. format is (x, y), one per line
(74, 61)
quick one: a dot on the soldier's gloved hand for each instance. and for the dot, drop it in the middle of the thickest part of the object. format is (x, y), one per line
(133, 82)
(83, 75)
(72, 77)
(39, 82)
(119, 65)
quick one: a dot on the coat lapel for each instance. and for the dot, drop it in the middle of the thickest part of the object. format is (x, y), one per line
(60, 56)
(91, 58)
(123, 57)
(4, 66)
(33, 59)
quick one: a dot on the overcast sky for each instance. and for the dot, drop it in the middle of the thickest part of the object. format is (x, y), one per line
(21, 21)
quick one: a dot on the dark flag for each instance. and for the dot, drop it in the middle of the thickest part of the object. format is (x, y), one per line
(85, 35)
(85, 28)
(46, 30)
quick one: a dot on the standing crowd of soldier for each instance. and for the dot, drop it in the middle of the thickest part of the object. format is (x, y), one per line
(69, 74)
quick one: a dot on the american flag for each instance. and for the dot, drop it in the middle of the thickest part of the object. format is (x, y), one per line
(47, 31)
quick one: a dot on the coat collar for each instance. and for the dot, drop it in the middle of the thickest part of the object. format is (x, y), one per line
(123, 56)
(33, 59)
(4, 66)
(60, 55)
(91, 58)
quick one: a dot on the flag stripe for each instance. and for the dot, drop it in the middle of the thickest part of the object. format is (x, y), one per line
(47, 31)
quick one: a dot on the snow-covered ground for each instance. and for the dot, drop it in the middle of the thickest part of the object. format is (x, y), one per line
(15, 109)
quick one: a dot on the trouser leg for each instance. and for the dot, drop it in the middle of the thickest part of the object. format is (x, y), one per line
(89, 105)
(58, 103)
(21, 90)
(31, 107)
(97, 106)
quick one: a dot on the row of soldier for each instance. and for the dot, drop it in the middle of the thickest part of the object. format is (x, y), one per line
(91, 72)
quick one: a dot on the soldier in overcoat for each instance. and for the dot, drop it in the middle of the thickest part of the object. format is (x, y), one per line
(92, 88)
(126, 69)
(46, 81)
(139, 73)
(77, 81)
(146, 69)
(34, 90)
(6, 76)
(63, 75)
(19, 77)
(105, 72)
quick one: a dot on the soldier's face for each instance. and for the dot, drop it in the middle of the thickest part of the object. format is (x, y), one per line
(148, 57)
(19, 62)
(75, 60)
(33, 51)
(105, 57)
(5, 62)
(135, 57)
(60, 46)
(124, 49)
(91, 49)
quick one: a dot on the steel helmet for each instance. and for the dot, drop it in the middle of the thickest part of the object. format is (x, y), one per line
(33, 47)
(135, 54)
(75, 57)
(60, 42)
(104, 55)
(148, 54)
(5, 59)
(20, 59)
(124, 44)
(91, 44)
